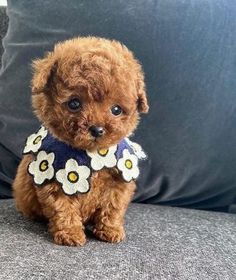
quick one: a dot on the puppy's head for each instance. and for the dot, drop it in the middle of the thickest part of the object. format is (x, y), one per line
(89, 92)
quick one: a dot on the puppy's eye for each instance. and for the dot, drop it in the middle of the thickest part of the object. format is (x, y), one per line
(74, 105)
(116, 110)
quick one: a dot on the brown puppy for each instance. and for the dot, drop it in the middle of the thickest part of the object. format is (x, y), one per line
(88, 93)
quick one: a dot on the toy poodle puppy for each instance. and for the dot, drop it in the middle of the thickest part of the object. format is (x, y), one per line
(80, 167)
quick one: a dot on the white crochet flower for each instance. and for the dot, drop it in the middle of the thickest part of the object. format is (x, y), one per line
(137, 149)
(73, 177)
(103, 158)
(41, 168)
(34, 141)
(128, 165)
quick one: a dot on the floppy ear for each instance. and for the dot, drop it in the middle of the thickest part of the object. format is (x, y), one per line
(44, 70)
(142, 98)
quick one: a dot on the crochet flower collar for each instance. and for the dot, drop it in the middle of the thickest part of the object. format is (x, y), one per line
(72, 168)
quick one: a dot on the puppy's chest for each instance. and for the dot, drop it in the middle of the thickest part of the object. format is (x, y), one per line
(106, 188)
(80, 171)
(103, 184)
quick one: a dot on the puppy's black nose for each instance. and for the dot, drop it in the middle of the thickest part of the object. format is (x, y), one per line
(96, 131)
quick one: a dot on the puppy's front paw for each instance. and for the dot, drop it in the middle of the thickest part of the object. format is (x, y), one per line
(110, 234)
(71, 237)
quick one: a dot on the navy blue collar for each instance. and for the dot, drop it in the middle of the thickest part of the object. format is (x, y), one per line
(72, 168)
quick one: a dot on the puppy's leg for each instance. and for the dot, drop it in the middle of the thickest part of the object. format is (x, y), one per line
(65, 223)
(24, 192)
(109, 219)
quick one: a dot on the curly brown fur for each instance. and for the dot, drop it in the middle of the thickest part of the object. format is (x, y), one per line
(101, 73)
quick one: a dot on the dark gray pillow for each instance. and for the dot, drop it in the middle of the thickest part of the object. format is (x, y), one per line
(187, 49)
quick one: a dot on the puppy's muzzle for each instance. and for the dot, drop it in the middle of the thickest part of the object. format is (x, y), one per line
(96, 131)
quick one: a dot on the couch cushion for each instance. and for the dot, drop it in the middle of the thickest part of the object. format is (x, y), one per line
(187, 49)
(3, 28)
(162, 243)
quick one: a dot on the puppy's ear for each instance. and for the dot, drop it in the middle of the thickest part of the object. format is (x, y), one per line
(142, 103)
(44, 70)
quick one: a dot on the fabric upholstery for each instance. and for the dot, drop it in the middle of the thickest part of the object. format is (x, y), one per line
(162, 243)
(3, 28)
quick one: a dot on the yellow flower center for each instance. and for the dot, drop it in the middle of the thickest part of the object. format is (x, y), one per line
(103, 152)
(37, 139)
(43, 166)
(73, 177)
(128, 164)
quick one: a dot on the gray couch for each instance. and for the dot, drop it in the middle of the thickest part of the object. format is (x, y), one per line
(162, 242)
